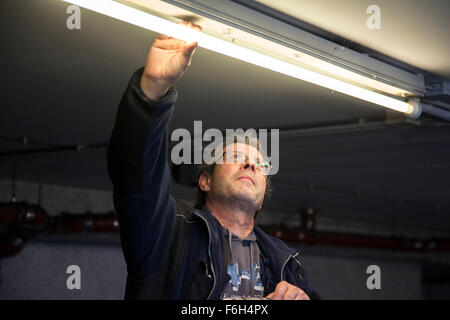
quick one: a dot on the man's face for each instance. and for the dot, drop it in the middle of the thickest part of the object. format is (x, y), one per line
(241, 181)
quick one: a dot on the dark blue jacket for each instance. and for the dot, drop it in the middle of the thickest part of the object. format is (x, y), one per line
(173, 251)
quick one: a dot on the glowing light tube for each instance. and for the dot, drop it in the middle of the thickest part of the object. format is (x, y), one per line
(145, 20)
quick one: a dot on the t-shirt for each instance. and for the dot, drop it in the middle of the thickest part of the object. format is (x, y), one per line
(243, 267)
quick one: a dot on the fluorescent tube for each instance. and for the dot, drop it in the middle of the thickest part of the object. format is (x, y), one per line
(151, 22)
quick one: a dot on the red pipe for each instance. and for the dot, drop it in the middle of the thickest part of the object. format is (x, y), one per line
(19, 220)
(19, 216)
(75, 223)
(357, 240)
(23, 214)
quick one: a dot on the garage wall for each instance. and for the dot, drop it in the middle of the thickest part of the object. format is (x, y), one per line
(39, 270)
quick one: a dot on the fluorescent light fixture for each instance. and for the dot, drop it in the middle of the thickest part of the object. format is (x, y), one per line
(165, 26)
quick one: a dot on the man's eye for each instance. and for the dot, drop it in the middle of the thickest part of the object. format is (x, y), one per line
(238, 157)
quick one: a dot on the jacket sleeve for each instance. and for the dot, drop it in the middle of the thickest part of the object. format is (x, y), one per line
(297, 276)
(304, 285)
(138, 169)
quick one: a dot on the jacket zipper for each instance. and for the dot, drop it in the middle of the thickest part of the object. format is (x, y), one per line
(209, 254)
(284, 264)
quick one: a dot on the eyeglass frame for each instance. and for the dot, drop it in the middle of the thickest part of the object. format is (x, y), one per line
(267, 164)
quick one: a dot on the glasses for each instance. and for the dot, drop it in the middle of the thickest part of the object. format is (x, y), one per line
(239, 157)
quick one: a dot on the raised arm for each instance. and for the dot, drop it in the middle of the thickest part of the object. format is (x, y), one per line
(137, 155)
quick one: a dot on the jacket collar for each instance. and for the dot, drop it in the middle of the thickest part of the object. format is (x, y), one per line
(275, 250)
(215, 250)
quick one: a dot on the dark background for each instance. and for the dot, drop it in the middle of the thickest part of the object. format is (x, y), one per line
(361, 174)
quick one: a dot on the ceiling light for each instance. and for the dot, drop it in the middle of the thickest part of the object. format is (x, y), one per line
(165, 26)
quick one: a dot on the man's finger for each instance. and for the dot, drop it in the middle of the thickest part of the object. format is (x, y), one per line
(280, 291)
(187, 24)
(163, 37)
(189, 49)
(270, 295)
(302, 296)
(292, 293)
(191, 25)
(198, 28)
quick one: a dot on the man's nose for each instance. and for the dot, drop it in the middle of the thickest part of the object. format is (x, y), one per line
(251, 166)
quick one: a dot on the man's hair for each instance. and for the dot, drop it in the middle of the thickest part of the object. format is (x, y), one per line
(209, 168)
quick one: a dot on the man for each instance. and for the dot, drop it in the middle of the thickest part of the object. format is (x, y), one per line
(172, 250)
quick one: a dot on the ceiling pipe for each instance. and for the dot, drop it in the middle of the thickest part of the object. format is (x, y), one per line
(360, 124)
(439, 104)
(53, 151)
(88, 222)
(358, 240)
(24, 215)
(435, 111)
(107, 223)
(36, 219)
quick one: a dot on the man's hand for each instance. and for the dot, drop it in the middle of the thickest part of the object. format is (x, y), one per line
(167, 60)
(287, 291)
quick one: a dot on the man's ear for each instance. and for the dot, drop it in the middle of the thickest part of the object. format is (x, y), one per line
(204, 181)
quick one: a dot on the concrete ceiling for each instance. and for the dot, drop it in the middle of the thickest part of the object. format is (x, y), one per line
(62, 87)
(412, 31)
